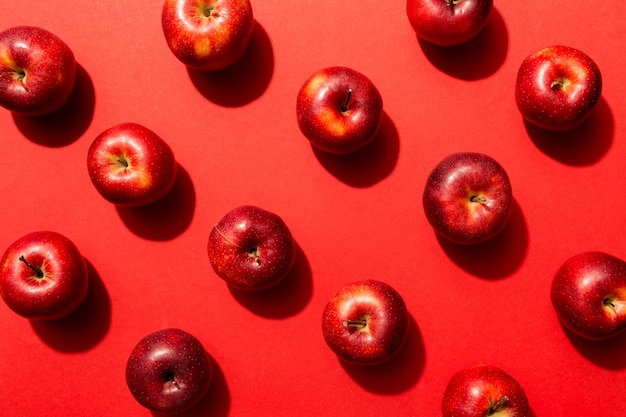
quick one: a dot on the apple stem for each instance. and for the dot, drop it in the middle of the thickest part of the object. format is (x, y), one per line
(36, 270)
(344, 106)
(608, 301)
(494, 408)
(355, 323)
(208, 10)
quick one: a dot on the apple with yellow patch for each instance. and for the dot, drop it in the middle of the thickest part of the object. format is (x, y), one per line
(207, 34)
(339, 110)
(365, 322)
(468, 198)
(130, 165)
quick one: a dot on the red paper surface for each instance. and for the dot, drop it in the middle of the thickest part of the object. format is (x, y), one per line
(235, 136)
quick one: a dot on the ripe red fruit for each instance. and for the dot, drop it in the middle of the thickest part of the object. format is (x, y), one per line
(43, 276)
(365, 322)
(588, 294)
(557, 87)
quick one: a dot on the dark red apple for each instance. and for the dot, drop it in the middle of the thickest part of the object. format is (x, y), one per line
(168, 371)
(37, 71)
(339, 110)
(557, 88)
(251, 248)
(365, 322)
(468, 198)
(483, 391)
(130, 165)
(589, 295)
(43, 276)
(207, 34)
(448, 22)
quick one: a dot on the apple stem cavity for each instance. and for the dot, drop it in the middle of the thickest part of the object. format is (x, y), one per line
(344, 106)
(496, 407)
(254, 253)
(39, 273)
(207, 10)
(478, 199)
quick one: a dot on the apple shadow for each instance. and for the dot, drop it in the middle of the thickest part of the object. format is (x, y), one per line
(216, 401)
(608, 354)
(399, 373)
(166, 218)
(286, 298)
(498, 257)
(369, 165)
(67, 124)
(476, 59)
(584, 145)
(83, 328)
(243, 82)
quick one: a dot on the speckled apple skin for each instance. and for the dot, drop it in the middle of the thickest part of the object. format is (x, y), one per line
(388, 322)
(161, 356)
(579, 288)
(151, 170)
(324, 122)
(448, 192)
(211, 42)
(473, 391)
(64, 284)
(236, 234)
(48, 63)
(557, 109)
(448, 23)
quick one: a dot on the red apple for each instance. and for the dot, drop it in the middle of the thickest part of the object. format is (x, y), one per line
(168, 371)
(130, 165)
(339, 110)
(468, 198)
(43, 276)
(589, 295)
(37, 71)
(365, 322)
(251, 248)
(448, 22)
(482, 391)
(207, 34)
(557, 88)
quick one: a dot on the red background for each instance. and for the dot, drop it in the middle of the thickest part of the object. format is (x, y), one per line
(237, 142)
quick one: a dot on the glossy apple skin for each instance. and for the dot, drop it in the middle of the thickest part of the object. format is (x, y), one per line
(557, 88)
(251, 248)
(37, 71)
(168, 371)
(339, 110)
(448, 22)
(53, 285)
(365, 322)
(207, 34)
(130, 165)
(468, 198)
(588, 294)
(482, 391)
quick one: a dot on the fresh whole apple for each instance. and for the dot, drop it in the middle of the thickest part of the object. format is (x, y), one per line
(168, 371)
(37, 71)
(482, 391)
(468, 198)
(339, 110)
(448, 22)
(588, 294)
(43, 276)
(207, 34)
(130, 165)
(557, 88)
(365, 322)
(251, 248)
